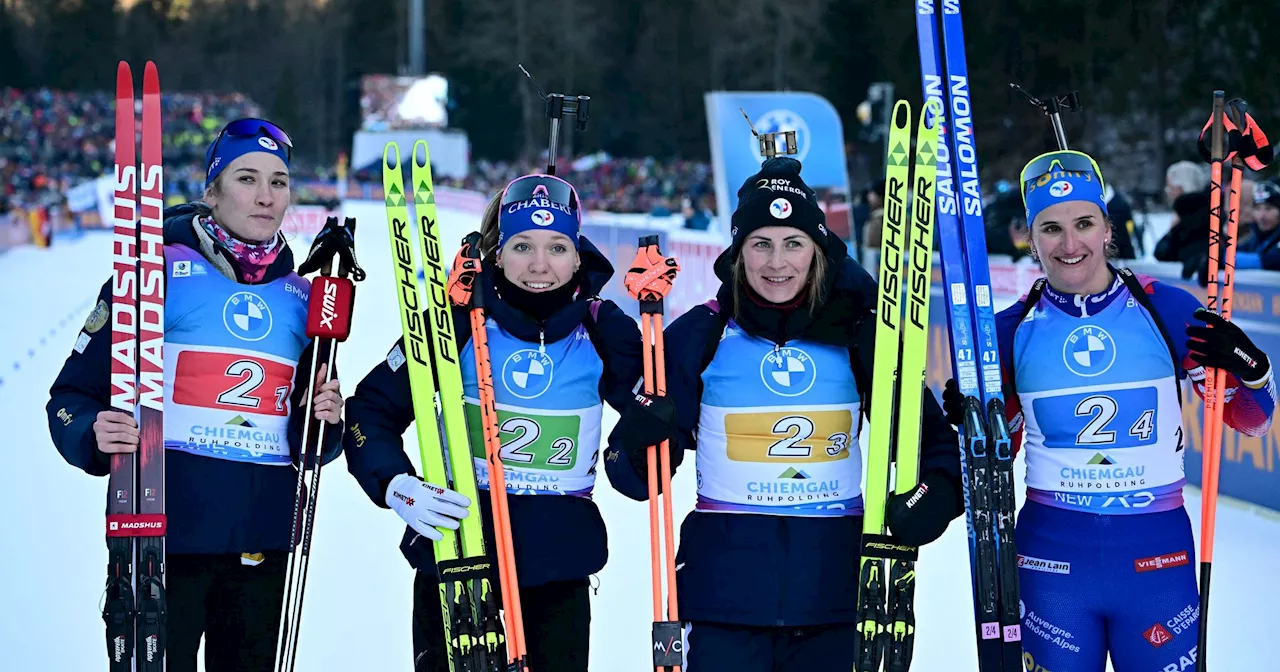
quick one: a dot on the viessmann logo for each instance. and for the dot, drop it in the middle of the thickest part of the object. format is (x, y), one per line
(1161, 562)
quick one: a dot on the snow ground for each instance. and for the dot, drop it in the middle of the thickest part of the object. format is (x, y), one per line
(359, 589)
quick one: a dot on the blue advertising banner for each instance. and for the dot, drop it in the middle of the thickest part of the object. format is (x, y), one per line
(735, 152)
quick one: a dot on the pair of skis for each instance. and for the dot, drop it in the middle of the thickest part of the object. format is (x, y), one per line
(329, 308)
(134, 602)
(475, 639)
(886, 612)
(986, 450)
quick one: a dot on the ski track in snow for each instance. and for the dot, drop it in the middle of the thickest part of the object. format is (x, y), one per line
(359, 593)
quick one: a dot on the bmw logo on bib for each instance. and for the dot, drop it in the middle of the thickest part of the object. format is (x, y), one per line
(527, 373)
(247, 316)
(788, 372)
(1089, 351)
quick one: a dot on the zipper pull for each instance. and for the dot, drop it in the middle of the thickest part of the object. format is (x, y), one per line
(542, 341)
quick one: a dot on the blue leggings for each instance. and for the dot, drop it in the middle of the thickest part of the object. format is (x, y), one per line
(1120, 584)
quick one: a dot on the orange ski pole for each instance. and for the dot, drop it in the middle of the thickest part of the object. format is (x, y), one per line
(649, 280)
(466, 266)
(1219, 300)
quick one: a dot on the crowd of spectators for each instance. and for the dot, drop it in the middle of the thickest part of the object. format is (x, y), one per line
(52, 140)
(646, 185)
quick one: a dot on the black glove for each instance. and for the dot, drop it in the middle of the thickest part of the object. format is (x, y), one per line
(647, 422)
(953, 402)
(1226, 346)
(921, 516)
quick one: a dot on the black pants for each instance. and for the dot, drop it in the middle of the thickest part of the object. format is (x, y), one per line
(557, 625)
(235, 607)
(719, 647)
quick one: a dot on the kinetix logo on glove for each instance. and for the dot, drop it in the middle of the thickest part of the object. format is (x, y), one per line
(1253, 364)
(924, 487)
(404, 498)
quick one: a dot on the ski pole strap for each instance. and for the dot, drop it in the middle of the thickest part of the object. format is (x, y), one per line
(1250, 142)
(462, 278)
(333, 239)
(651, 275)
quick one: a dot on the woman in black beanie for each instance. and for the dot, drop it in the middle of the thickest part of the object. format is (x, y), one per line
(769, 382)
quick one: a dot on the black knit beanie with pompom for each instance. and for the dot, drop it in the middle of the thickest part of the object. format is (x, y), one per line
(777, 196)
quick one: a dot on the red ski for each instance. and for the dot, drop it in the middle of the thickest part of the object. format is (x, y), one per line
(134, 605)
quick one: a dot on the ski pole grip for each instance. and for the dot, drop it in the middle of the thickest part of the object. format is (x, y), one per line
(329, 308)
(644, 271)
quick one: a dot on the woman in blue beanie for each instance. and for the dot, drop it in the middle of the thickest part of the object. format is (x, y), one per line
(236, 356)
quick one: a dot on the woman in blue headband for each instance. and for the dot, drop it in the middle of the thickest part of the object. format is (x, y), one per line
(558, 354)
(237, 357)
(1093, 357)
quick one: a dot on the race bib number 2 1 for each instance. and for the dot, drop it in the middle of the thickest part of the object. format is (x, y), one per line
(232, 382)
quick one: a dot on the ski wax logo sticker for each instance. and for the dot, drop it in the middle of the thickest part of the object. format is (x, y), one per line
(247, 316)
(268, 143)
(780, 208)
(1061, 188)
(1089, 351)
(527, 373)
(776, 121)
(542, 217)
(788, 372)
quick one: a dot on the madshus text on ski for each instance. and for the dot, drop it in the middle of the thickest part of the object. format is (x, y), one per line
(212, 406)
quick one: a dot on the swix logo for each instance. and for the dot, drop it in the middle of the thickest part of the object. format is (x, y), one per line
(329, 305)
(916, 497)
(1161, 562)
(1157, 636)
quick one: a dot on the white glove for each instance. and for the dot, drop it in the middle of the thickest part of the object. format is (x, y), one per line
(426, 507)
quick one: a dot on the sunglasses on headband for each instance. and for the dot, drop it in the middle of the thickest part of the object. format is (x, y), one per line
(1039, 171)
(549, 187)
(252, 128)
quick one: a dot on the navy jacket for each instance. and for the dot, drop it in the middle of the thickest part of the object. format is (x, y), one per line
(763, 570)
(213, 506)
(555, 538)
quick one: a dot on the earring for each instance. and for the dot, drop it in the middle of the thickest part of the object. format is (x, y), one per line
(1035, 256)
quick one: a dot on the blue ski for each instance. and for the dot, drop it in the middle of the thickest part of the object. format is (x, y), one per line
(986, 456)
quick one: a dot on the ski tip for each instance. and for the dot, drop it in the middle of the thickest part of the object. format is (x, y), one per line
(425, 161)
(902, 115)
(150, 80)
(391, 156)
(124, 80)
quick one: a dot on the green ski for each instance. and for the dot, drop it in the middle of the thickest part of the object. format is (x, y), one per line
(886, 626)
(473, 625)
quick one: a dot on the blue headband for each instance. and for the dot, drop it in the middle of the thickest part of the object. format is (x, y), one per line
(1060, 187)
(232, 147)
(538, 213)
